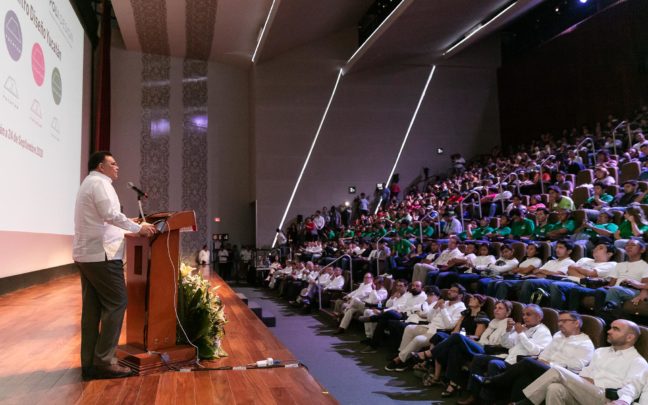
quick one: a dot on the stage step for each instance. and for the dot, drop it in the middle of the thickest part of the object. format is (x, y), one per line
(242, 297)
(269, 319)
(256, 308)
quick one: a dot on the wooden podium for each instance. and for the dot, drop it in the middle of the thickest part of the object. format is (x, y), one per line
(152, 266)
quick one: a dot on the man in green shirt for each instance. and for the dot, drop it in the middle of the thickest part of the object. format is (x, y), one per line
(521, 226)
(564, 227)
(503, 231)
(543, 227)
(557, 200)
(480, 232)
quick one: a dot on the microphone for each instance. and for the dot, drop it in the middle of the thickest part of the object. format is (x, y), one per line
(139, 192)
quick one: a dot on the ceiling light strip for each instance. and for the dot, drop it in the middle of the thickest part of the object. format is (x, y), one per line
(475, 31)
(409, 129)
(310, 151)
(377, 29)
(263, 31)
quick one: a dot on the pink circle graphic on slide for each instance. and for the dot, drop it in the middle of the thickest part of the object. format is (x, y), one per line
(38, 64)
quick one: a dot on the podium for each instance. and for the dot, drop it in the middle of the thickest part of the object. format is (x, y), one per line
(152, 268)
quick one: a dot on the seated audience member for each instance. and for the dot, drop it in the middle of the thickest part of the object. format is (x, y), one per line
(589, 231)
(398, 297)
(399, 307)
(472, 324)
(480, 232)
(557, 200)
(563, 183)
(354, 302)
(431, 270)
(626, 197)
(542, 226)
(598, 267)
(628, 278)
(522, 339)
(335, 282)
(611, 368)
(629, 275)
(453, 225)
(516, 203)
(451, 355)
(502, 232)
(535, 203)
(495, 271)
(474, 267)
(456, 266)
(417, 316)
(521, 227)
(444, 315)
(512, 283)
(570, 348)
(602, 176)
(634, 225)
(564, 227)
(556, 268)
(599, 200)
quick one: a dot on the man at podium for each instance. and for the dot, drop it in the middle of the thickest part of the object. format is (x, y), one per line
(98, 251)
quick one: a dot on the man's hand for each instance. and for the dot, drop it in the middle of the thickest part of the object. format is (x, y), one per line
(520, 328)
(440, 303)
(147, 229)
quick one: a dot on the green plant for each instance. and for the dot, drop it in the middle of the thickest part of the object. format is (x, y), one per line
(201, 313)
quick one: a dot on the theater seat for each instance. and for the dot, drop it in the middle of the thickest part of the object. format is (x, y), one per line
(584, 177)
(594, 327)
(642, 343)
(516, 313)
(550, 319)
(630, 171)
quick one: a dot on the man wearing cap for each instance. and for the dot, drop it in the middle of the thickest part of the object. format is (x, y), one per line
(557, 200)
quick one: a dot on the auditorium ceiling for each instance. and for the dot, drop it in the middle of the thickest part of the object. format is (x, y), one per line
(230, 31)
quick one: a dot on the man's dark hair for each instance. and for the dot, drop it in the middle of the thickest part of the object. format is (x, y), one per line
(567, 244)
(97, 158)
(462, 289)
(432, 289)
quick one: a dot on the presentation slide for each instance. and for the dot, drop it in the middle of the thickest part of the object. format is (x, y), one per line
(41, 104)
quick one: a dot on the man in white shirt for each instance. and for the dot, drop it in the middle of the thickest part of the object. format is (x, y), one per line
(98, 251)
(360, 299)
(598, 267)
(626, 281)
(522, 339)
(557, 267)
(628, 278)
(570, 348)
(427, 271)
(611, 368)
(443, 315)
(399, 308)
(203, 256)
(399, 292)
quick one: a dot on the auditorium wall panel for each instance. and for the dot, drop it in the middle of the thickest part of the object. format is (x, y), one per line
(226, 127)
(366, 123)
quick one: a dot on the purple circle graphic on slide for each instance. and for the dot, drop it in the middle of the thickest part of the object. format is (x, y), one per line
(38, 64)
(13, 35)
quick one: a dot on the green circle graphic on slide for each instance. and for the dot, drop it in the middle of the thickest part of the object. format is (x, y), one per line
(57, 86)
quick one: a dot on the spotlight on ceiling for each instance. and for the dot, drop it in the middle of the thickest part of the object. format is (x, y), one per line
(582, 1)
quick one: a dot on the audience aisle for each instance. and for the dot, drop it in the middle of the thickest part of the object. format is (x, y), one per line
(352, 377)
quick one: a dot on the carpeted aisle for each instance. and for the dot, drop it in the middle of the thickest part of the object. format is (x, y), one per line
(335, 361)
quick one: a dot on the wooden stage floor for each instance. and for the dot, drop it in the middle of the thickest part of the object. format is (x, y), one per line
(39, 361)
